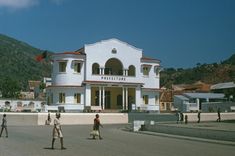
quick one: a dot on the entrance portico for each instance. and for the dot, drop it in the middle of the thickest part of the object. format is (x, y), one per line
(113, 96)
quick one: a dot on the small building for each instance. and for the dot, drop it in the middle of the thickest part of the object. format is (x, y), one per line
(19, 105)
(33, 85)
(166, 100)
(33, 91)
(193, 102)
(47, 81)
(227, 88)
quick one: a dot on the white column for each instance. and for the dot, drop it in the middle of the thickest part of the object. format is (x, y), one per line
(100, 71)
(198, 103)
(82, 99)
(138, 98)
(126, 98)
(123, 98)
(103, 104)
(87, 99)
(125, 72)
(100, 96)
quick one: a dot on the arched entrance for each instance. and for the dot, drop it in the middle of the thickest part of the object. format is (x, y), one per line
(113, 67)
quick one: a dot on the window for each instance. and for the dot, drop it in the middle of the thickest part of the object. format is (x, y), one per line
(61, 97)
(145, 99)
(62, 66)
(77, 67)
(163, 106)
(146, 70)
(77, 98)
(95, 68)
(50, 98)
(156, 100)
(131, 70)
(157, 70)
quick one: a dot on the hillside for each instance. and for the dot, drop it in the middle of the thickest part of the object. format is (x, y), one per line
(17, 62)
(207, 73)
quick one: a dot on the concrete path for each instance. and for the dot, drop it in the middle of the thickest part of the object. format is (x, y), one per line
(224, 131)
(36, 141)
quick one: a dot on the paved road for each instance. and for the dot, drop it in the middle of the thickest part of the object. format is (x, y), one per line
(36, 141)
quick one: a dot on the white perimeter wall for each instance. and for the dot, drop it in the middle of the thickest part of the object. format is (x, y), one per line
(66, 118)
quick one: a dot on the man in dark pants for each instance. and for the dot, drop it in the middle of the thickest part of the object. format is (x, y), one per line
(199, 116)
(219, 117)
(181, 117)
(4, 125)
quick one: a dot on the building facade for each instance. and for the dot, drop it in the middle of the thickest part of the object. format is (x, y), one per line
(109, 74)
(166, 100)
(194, 102)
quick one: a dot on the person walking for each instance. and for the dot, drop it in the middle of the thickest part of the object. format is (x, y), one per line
(181, 117)
(178, 117)
(57, 132)
(4, 125)
(48, 121)
(186, 119)
(97, 125)
(199, 116)
(219, 116)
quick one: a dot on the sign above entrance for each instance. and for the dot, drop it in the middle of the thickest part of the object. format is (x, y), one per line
(113, 78)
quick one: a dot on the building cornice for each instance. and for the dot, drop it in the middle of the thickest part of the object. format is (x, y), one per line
(111, 83)
(65, 86)
(151, 89)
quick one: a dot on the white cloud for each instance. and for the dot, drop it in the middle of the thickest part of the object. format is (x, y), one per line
(18, 4)
(21, 4)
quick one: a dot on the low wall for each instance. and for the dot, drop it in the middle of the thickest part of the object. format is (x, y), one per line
(106, 118)
(192, 132)
(66, 118)
(18, 119)
(157, 117)
(192, 117)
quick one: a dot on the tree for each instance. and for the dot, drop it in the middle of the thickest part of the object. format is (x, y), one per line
(9, 88)
(42, 86)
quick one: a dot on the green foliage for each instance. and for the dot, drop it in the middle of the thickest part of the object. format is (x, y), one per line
(42, 86)
(9, 88)
(18, 62)
(207, 73)
(230, 61)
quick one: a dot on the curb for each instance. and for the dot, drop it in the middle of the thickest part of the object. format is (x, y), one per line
(187, 138)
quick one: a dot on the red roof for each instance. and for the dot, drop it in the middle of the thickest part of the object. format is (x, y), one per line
(144, 58)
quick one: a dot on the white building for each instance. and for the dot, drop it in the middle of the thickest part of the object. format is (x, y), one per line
(110, 74)
(193, 102)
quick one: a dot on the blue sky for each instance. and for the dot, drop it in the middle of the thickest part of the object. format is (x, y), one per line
(180, 33)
